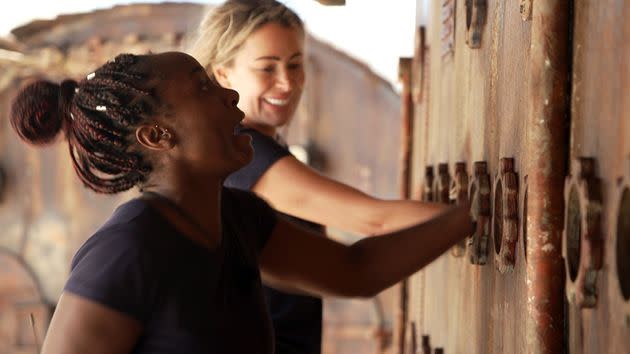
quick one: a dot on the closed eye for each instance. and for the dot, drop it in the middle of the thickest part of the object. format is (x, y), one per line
(268, 69)
(295, 66)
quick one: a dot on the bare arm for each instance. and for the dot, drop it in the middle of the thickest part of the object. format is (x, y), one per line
(296, 257)
(82, 326)
(315, 197)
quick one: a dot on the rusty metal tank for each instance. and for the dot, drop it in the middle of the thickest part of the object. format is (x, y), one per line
(527, 102)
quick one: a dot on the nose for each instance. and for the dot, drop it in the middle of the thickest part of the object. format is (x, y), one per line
(284, 80)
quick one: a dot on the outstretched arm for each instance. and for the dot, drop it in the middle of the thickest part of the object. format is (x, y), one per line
(315, 197)
(296, 257)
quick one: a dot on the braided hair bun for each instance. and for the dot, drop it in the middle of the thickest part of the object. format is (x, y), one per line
(41, 109)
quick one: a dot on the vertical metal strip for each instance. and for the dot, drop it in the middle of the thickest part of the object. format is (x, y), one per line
(404, 75)
(549, 57)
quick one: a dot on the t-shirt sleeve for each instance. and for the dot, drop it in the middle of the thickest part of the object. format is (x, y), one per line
(266, 152)
(109, 269)
(253, 217)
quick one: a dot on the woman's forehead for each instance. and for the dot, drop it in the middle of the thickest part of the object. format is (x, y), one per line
(273, 38)
(175, 63)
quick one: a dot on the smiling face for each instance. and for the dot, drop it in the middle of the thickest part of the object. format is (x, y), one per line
(201, 115)
(268, 73)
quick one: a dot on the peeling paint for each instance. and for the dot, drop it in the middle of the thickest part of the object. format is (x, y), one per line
(548, 248)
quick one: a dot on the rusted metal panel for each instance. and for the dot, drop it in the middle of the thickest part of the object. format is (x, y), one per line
(402, 301)
(599, 132)
(478, 114)
(508, 104)
(546, 170)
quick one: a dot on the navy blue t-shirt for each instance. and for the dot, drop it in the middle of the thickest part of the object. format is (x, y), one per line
(297, 319)
(188, 298)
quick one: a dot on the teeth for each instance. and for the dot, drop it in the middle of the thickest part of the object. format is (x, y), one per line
(276, 101)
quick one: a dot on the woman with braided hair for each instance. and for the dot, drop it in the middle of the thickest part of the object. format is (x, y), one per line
(178, 269)
(256, 47)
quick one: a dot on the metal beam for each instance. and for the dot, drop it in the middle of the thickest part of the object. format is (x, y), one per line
(332, 2)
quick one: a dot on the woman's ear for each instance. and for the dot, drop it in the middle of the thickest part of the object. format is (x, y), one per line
(155, 137)
(220, 73)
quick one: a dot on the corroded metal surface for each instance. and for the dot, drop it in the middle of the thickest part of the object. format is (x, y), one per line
(600, 129)
(459, 194)
(427, 185)
(549, 57)
(505, 216)
(479, 193)
(519, 94)
(402, 301)
(582, 240)
(481, 107)
(476, 11)
(441, 184)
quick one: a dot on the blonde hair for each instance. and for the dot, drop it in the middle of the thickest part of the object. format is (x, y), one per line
(225, 28)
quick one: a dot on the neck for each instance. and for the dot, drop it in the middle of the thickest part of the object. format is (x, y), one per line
(262, 128)
(198, 198)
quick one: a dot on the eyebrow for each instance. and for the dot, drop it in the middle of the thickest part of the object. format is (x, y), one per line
(278, 58)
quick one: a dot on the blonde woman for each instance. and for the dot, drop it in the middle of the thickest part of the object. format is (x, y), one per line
(257, 49)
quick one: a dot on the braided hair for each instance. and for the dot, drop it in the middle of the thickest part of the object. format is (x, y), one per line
(98, 117)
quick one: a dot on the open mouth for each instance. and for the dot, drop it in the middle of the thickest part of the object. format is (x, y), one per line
(276, 101)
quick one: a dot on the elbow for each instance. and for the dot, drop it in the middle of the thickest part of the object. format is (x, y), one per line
(367, 292)
(356, 290)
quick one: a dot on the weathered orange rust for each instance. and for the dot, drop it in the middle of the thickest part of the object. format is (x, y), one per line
(406, 101)
(526, 9)
(600, 129)
(427, 185)
(479, 194)
(404, 75)
(459, 191)
(426, 345)
(582, 239)
(441, 184)
(505, 216)
(549, 59)
(418, 64)
(447, 19)
(475, 20)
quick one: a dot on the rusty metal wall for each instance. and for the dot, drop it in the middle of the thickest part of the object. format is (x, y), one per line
(597, 225)
(508, 95)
